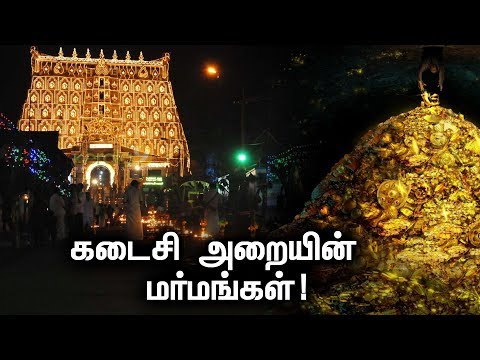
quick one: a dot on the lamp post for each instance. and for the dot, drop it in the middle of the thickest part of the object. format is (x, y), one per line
(212, 71)
(243, 102)
(242, 119)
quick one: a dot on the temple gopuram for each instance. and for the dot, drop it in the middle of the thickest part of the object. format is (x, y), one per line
(116, 119)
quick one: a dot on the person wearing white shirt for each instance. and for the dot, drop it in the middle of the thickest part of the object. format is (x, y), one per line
(134, 201)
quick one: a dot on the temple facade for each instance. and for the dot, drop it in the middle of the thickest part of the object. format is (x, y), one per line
(114, 115)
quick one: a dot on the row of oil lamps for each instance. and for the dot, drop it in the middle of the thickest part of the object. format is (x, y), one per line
(154, 223)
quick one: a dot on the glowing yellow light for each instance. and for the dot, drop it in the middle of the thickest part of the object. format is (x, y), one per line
(137, 167)
(212, 71)
(158, 165)
(358, 71)
(101, 146)
(94, 181)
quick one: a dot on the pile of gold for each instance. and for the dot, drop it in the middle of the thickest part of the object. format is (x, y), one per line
(409, 193)
(377, 293)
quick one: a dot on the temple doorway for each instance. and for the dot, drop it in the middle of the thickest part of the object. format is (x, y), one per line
(100, 184)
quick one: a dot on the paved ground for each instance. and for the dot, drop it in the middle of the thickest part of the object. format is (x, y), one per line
(45, 281)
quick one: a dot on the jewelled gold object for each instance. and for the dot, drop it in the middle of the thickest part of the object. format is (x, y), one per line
(392, 193)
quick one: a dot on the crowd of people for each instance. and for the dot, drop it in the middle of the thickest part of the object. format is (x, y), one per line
(37, 218)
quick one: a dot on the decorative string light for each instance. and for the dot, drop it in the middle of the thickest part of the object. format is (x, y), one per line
(286, 160)
(33, 160)
(36, 162)
(6, 124)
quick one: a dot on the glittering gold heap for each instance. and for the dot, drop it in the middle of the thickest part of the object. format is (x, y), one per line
(409, 193)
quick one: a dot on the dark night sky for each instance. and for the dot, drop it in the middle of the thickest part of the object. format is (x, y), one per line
(206, 106)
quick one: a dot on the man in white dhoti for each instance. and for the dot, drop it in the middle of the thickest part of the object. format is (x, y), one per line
(134, 201)
(211, 201)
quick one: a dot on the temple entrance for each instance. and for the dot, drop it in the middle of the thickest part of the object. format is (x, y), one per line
(100, 176)
(100, 187)
(100, 179)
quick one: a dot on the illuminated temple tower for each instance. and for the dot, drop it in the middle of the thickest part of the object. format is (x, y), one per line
(116, 114)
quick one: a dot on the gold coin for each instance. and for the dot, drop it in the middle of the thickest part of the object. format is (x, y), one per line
(474, 234)
(392, 193)
(447, 159)
(438, 139)
(432, 119)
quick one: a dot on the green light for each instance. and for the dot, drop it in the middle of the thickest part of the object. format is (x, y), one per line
(241, 157)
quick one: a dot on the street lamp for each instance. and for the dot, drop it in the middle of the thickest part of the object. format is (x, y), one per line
(212, 71)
